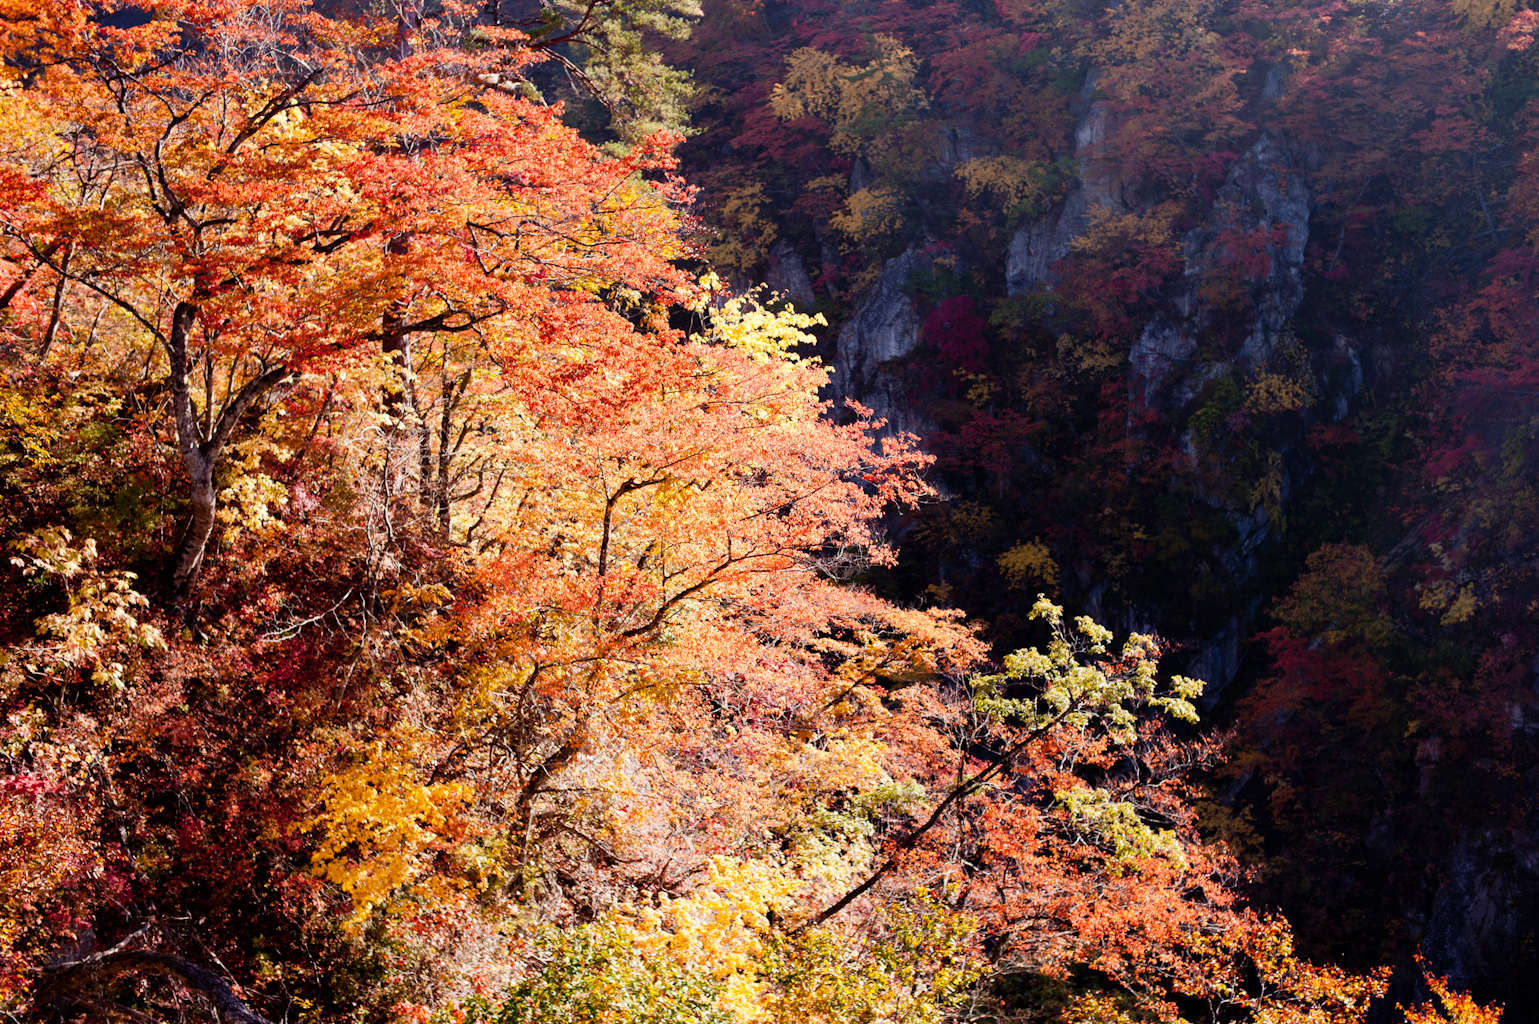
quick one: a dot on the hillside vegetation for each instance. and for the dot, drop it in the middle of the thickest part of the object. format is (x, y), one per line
(636, 513)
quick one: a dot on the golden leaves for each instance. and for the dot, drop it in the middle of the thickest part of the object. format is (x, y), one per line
(870, 215)
(766, 335)
(1343, 596)
(751, 233)
(1484, 15)
(1286, 383)
(1449, 1005)
(378, 824)
(858, 103)
(1112, 231)
(1291, 990)
(101, 612)
(1014, 184)
(1271, 392)
(1029, 560)
(1147, 29)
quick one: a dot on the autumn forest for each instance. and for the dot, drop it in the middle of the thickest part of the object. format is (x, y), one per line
(769, 511)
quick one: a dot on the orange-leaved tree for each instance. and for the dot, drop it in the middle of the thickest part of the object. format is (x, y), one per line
(222, 184)
(450, 699)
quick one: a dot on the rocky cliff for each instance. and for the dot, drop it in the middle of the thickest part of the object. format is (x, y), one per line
(884, 331)
(1038, 244)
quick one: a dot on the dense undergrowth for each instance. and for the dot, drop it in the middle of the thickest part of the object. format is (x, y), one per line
(431, 596)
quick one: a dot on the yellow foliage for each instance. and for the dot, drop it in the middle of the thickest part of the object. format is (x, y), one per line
(1029, 560)
(1441, 594)
(1098, 1010)
(1283, 989)
(1077, 685)
(1276, 392)
(1146, 29)
(968, 521)
(981, 388)
(829, 183)
(744, 323)
(1268, 492)
(856, 102)
(1452, 1007)
(101, 607)
(1092, 356)
(1463, 608)
(840, 763)
(1436, 596)
(870, 214)
(1483, 15)
(720, 926)
(750, 232)
(915, 962)
(1011, 181)
(379, 823)
(814, 86)
(28, 424)
(249, 497)
(1116, 825)
(1113, 233)
(903, 967)
(1286, 383)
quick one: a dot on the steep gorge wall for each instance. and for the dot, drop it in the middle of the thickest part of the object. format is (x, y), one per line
(884, 330)
(1037, 245)
(1218, 400)
(1180, 351)
(1175, 358)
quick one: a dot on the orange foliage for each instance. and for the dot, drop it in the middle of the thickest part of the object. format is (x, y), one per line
(1450, 1006)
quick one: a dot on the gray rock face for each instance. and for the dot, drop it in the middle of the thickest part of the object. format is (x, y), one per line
(952, 144)
(1263, 204)
(861, 175)
(787, 275)
(1162, 351)
(1264, 198)
(1486, 910)
(885, 328)
(958, 143)
(1037, 245)
(1216, 660)
(889, 402)
(1347, 354)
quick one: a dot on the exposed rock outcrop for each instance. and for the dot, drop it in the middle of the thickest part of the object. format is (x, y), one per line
(1485, 916)
(884, 329)
(1265, 204)
(1038, 244)
(957, 144)
(787, 275)
(1232, 308)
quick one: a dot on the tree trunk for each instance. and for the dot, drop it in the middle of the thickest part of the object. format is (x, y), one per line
(189, 559)
(200, 468)
(71, 984)
(396, 345)
(200, 454)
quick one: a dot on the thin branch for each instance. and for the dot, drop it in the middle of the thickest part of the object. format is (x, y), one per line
(912, 837)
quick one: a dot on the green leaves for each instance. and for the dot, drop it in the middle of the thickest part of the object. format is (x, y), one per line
(1079, 683)
(615, 64)
(916, 965)
(595, 974)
